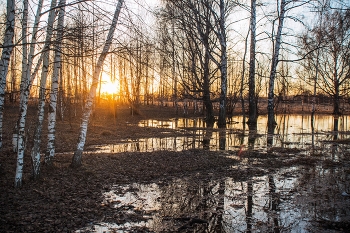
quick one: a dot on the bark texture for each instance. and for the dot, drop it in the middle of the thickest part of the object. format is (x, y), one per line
(223, 67)
(35, 153)
(270, 100)
(5, 57)
(77, 157)
(50, 150)
(20, 145)
(253, 115)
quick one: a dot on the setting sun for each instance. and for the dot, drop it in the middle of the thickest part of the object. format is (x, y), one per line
(107, 86)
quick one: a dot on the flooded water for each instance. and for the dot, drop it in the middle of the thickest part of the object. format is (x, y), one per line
(292, 131)
(290, 199)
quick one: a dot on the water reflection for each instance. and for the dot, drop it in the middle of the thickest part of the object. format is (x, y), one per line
(294, 199)
(289, 200)
(292, 131)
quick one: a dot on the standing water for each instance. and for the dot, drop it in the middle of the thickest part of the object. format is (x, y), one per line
(292, 131)
(293, 198)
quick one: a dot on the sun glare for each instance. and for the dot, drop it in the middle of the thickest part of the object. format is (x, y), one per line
(107, 86)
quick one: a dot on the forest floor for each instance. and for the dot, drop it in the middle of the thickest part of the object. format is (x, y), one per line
(66, 199)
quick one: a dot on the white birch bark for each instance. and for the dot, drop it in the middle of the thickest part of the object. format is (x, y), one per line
(16, 137)
(25, 89)
(35, 153)
(253, 115)
(23, 108)
(5, 57)
(270, 101)
(223, 66)
(50, 150)
(77, 157)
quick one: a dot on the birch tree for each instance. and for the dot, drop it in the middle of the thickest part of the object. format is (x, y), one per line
(17, 131)
(5, 56)
(252, 98)
(270, 99)
(25, 85)
(77, 157)
(35, 153)
(223, 63)
(50, 151)
(283, 7)
(20, 126)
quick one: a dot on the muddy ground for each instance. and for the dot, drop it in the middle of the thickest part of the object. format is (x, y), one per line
(66, 199)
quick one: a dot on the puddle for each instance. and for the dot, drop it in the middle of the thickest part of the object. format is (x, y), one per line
(295, 199)
(289, 200)
(292, 131)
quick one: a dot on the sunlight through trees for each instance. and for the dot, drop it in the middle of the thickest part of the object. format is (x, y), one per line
(67, 57)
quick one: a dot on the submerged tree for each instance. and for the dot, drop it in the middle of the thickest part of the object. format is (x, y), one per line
(221, 34)
(77, 157)
(331, 41)
(275, 59)
(201, 28)
(283, 7)
(253, 115)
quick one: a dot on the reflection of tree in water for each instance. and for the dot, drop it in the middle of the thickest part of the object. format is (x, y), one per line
(222, 139)
(249, 212)
(208, 133)
(269, 136)
(335, 127)
(196, 205)
(252, 136)
(215, 217)
(265, 203)
(273, 203)
(334, 147)
(313, 132)
(321, 200)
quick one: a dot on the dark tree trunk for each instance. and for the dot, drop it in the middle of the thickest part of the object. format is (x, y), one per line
(209, 118)
(252, 96)
(336, 105)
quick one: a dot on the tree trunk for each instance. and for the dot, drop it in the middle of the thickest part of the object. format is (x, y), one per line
(223, 67)
(270, 100)
(52, 114)
(243, 77)
(23, 107)
(336, 99)
(253, 115)
(25, 86)
(77, 157)
(206, 75)
(206, 93)
(336, 104)
(18, 129)
(35, 153)
(5, 57)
